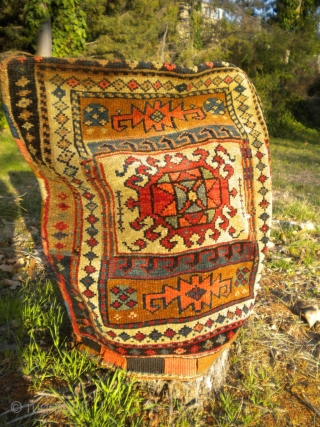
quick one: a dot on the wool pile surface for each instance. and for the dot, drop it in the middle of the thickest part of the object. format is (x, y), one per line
(156, 202)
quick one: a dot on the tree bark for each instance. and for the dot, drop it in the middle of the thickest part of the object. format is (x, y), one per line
(194, 392)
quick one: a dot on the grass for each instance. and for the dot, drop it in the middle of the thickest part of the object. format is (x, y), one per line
(19, 191)
(274, 377)
(45, 360)
(296, 171)
(296, 176)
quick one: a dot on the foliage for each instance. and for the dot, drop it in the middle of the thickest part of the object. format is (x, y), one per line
(196, 26)
(136, 30)
(288, 14)
(281, 64)
(68, 24)
(13, 34)
(274, 42)
(297, 15)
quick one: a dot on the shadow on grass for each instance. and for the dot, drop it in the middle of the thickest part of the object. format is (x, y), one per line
(13, 384)
(8, 215)
(27, 203)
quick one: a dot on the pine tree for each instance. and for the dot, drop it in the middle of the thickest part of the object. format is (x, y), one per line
(13, 34)
(135, 29)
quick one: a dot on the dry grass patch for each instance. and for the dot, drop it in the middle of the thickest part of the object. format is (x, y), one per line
(276, 363)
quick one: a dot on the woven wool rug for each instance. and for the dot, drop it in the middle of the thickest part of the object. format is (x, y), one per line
(156, 188)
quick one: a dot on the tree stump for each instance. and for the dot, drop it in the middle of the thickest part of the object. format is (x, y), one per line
(193, 392)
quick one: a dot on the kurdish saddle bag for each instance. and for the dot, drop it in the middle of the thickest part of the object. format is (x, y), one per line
(155, 182)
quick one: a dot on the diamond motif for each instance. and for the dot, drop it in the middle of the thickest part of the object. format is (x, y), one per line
(146, 85)
(139, 336)
(118, 84)
(185, 331)
(91, 206)
(92, 231)
(59, 93)
(169, 333)
(63, 144)
(123, 297)
(104, 84)
(198, 327)
(124, 336)
(92, 242)
(116, 304)
(240, 88)
(157, 85)
(155, 335)
(168, 86)
(133, 85)
(66, 156)
(245, 309)
(131, 303)
(228, 80)
(88, 83)
(63, 206)
(91, 256)
(88, 293)
(217, 80)
(87, 281)
(220, 318)
(92, 219)
(57, 80)
(62, 118)
(73, 82)
(62, 132)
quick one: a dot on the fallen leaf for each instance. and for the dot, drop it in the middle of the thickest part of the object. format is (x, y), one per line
(21, 262)
(32, 270)
(310, 312)
(312, 315)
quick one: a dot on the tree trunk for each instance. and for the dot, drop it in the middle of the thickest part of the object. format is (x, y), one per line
(44, 44)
